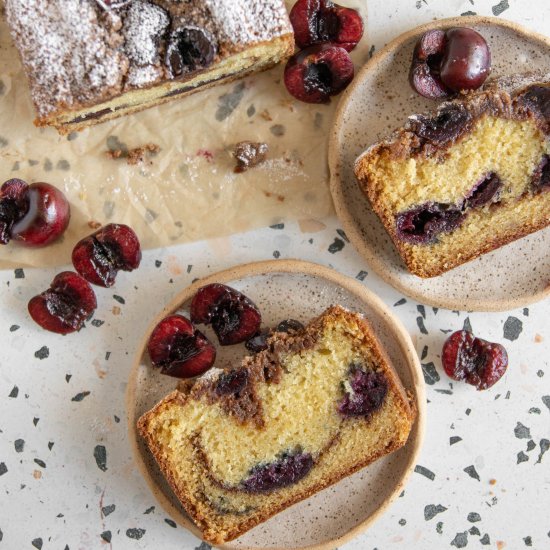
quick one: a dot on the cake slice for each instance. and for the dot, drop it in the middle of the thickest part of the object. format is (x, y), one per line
(467, 179)
(92, 60)
(318, 404)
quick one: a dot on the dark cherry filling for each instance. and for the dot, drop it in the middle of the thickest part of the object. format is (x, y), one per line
(422, 224)
(289, 469)
(189, 49)
(232, 382)
(258, 342)
(442, 129)
(369, 390)
(541, 175)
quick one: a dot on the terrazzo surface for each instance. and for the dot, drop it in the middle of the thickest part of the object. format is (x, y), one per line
(67, 477)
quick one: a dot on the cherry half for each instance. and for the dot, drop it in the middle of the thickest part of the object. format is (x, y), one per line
(100, 256)
(65, 306)
(32, 215)
(178, 349)
(233, 316)
(476, 361)
(323, 21)
(318, 72)
(449, 61)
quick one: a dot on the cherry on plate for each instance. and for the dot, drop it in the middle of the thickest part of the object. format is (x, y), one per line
(65, 306)
(318, 72)
(178, 349)
(449, 61)
(233, 316)
(100, 256)
(32, 215)
(322, 21)
(476, 361)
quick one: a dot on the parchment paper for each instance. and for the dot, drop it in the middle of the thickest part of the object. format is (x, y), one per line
(188, 190)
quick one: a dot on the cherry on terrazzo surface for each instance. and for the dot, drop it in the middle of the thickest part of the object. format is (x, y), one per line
(32, 215)
(100, 256)
(318, 72)
(233, 316)
(178, 349)
(449, 61)
(65, 306)
(323, 21)
(473, 360)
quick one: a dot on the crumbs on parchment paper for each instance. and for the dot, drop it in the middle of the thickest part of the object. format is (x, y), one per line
(135, 155)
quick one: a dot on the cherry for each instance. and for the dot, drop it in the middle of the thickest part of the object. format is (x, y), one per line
(65, 306)
(32, 215)
(258, 342)
(289, 325)
(189, 48)
(100, 256)
(178, 349)
(369, 391)
(318, 72)
(476, 361)
(322, 21)
(233, 316)
(449, 61)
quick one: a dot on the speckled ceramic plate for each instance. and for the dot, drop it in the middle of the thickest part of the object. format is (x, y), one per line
(302, 291)
(379, 101)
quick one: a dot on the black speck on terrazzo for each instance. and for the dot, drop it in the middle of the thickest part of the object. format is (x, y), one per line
(467, 325)
(63, 165)
(531, 445)
(14, 392)
(431, 376)
(422, 310)
(19, 445)
(50, 445)
(3, 468)
(19, 273)
(342, 234)
(400, 302)
(467, 13)
(277, 226)
(473, 530)
(472, 472)
(544, 446)
(80, 396)
(149, 510)
(439, 527)
(336, 246)
(521, 457)
(422, 470)
(37, 543)
(106, 536)
(361, 275)
(42, 353)
(546, 400)
(119, 299)
(454, 439)
(97, 323)
(460, 540)
(13, 328)
(100, 455)
(473, 517)
(41, 463)
(500, 7)
(528, 541)
(35, 420)
(421, 327)
(485, 540)
(276, 254)
(431, 510)
(512, 328)
(522, 432)
(203, 546)
(135, 533)
(424, 353)
(106, 510)
(170, 522)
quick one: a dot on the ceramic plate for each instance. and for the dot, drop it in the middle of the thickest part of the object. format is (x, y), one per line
(300, 290)
(379, 101)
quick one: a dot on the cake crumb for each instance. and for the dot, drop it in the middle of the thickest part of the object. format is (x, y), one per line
(92, 224)
(493, 481)
(135, 155)
(538, 338)
(249, 154)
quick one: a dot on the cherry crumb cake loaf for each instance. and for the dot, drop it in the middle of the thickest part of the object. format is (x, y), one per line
(92, 60)
(318, 404)
(468, 179)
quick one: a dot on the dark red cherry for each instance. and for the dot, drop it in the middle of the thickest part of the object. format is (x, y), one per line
(32, 215)
(318, 72)
(190, 48)
(449, 61)
(476, 361)
(466, 62)
(233, 316)
(322, 21)
(65, 306)
(178, 349)
(100, 256)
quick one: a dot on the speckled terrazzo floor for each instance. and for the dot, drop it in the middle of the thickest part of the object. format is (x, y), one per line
(67, 478)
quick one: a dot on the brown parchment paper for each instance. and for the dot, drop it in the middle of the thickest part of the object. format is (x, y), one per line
(188, 190)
